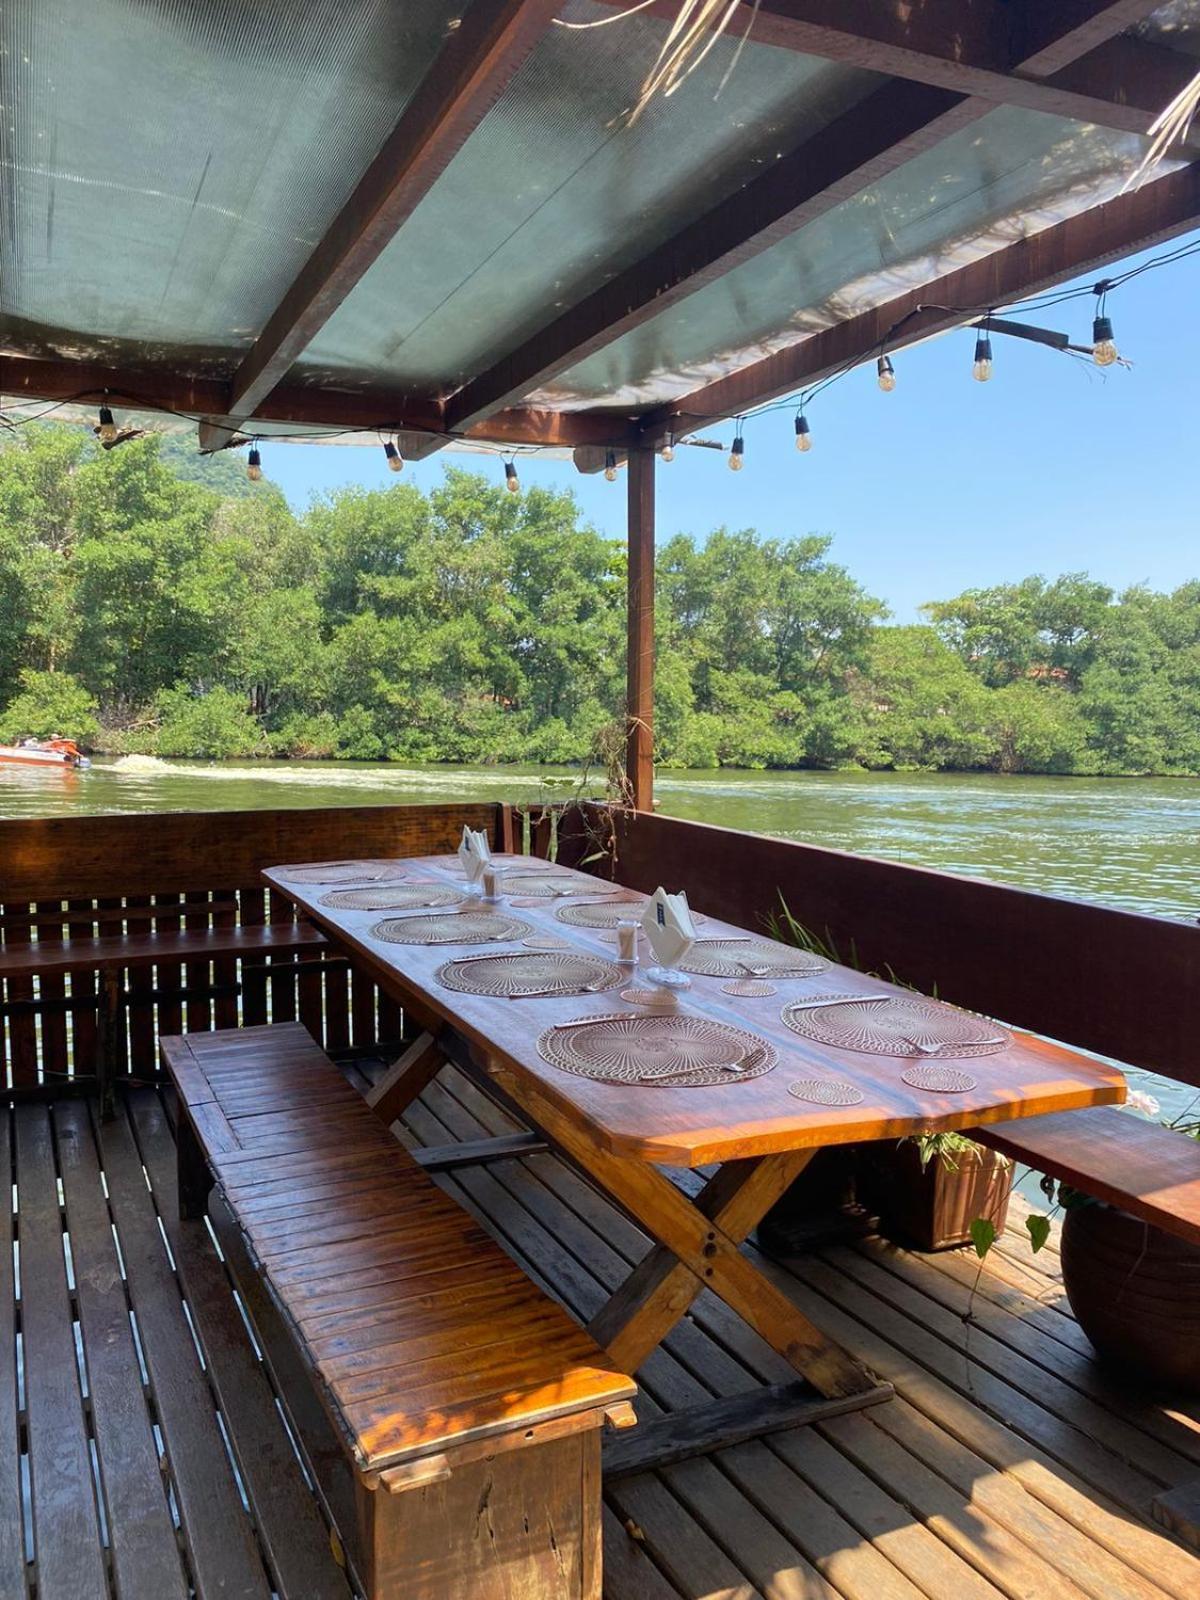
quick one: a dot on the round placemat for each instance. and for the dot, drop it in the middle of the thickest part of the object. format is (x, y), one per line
(531, 971)
(345, 872)
(826, 1092)
(896, 1025)
(659, 999)
(940, 1080)
(602, 913)
(679, 1051)
(734, 958)
(748, 988)
(393, 897)
(550, 885)
(546, 941)
(450, 927)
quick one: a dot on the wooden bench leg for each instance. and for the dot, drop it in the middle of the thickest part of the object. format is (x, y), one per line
(195, 1175)
(521, 1525)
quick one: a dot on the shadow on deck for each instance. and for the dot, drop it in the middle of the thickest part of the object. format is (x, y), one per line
(143, 1452)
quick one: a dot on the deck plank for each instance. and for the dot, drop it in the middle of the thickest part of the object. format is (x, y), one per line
(291, 1527)
(224, 1555)
(66, 1522)
(145, 1551)
(12, 1535)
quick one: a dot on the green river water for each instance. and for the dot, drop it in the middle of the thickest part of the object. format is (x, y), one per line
(1132, 843)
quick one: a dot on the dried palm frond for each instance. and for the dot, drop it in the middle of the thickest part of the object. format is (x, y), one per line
(1169, 128)
(696, 29)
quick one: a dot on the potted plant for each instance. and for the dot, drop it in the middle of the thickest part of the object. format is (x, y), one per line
(1134, 1289)
(931, 1191)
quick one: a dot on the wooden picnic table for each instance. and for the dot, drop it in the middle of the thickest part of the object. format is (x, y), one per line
(755, 1131)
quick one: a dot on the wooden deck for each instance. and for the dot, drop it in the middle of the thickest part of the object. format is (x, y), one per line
(142, 1450)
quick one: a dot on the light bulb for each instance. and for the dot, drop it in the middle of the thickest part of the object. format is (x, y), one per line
(511, 482)
(887, 374)
(1104, 351)
(803, 436)
(668, 450)
(610, 465)
(254, 465)
(107, 431)
(737, 455)
(394, 459)
(982, 370)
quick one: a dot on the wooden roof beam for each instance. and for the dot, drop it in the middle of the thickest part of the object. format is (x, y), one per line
(1063, 57)
(479, 59)
(133, 389)
(1145, 217)
(873, 138)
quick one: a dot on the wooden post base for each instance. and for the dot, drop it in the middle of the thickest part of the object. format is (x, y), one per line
(519, 1525)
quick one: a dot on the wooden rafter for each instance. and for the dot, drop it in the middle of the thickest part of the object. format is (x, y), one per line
(1147, 216)
(479, 59)
(856, 150)
(968, 41)
(306, 407)
(1063, 57)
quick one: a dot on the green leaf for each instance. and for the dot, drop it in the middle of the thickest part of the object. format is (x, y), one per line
(1039, 1231)
(983, 1236)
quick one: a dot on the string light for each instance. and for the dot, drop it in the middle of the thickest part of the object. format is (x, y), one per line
(737, 454)
(610, 465)
(885, 374)
(667, 453)
(982, 370)
(1104, 351)
(106, 432)
(394, 459)
(511, 482)
(803, 433)
(254, 465)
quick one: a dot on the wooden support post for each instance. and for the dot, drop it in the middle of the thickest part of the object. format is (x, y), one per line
(639, 697)
(108, 1024)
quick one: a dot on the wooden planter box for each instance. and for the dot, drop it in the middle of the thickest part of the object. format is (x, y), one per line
(932, 1208)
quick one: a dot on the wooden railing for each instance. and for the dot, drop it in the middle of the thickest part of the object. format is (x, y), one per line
(1123, 985)
(130, 877)
(1120, 984)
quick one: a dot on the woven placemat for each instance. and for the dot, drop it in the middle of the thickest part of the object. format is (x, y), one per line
(451, 927)
(531, 971)
(749, 958)
(601, 913)
(938, 1080)
(749, 988)
(345, 872)
(551, 885)
(680, 1052)
(393, 897)
(826, 1092)
(895, 1025)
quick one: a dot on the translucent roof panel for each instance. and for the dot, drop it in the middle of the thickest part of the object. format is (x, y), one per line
(168, 165)
(1009, 175)
(554, 193)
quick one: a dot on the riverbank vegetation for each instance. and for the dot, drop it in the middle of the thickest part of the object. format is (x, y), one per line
(152, 603)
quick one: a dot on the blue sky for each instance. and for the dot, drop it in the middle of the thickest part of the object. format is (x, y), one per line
(944, 484)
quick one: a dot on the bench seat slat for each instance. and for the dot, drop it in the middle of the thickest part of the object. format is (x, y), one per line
(1150, 1171)
(421, 1332)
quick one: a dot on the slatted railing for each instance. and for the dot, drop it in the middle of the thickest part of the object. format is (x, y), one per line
(67, 879)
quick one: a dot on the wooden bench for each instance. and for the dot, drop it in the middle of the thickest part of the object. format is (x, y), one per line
(466, 1402)
(109, 956)
(1150, 1171)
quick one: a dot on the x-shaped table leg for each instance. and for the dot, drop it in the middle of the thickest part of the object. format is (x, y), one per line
(698, 1248)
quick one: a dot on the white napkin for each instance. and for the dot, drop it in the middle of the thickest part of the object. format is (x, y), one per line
(667, 923)
(475, 853)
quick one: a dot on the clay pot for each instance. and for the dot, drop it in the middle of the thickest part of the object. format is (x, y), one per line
(933, 1207)
(1135, 1292)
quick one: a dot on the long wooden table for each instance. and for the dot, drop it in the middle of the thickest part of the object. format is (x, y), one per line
(759, 1135)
